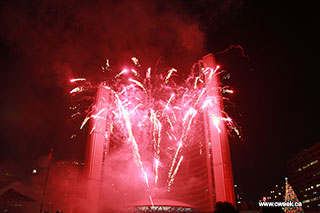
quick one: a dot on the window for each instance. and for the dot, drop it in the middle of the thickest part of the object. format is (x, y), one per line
(306, 201)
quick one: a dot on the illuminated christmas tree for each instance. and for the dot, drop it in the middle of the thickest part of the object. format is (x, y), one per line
(290, 196)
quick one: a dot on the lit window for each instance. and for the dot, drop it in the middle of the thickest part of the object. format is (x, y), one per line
(306, 166)
(313, 162)
(306, 201)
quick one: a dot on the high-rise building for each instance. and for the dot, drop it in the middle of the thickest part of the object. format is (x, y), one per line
(205, 175)
(242, 202)
(276, 194)
(97, 148)
(304, 175)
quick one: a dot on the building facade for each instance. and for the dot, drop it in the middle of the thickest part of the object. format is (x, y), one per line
(276, 194)
(304, 175)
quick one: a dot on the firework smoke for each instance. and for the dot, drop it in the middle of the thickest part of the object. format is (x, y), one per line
(152, 119)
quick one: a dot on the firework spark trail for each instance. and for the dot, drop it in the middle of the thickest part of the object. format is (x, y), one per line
(174, 173)
(191, 112)
(146, 178)
(106, 67)
(139, 84)
(137, 156)
(169, 75)
(185, 132)
(135, 72)
(136, 61)
(187, 103)
(121, 73)
(148, 74)
(200, 96)
(85, 121)
(177, 167)
(213, 72)
(167, 105)
(198, 78)
(216, 121)
(196, 82)
(174, 159)
(227, 91)
(152, 120)
(174, 114)
(97, 116)
(232, 125)
(171, 136)
(136, 107)
(151, 200)
(169, 121)
(107, 63)
(77, 79)
(156, 168)
(204, 71)
(157, 126)
(77, 90)
(93, 128)
(206, 103)
(75, 114)
(106, 87)
(125, 89)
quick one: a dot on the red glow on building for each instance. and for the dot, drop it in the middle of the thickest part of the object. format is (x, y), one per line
(196, 171)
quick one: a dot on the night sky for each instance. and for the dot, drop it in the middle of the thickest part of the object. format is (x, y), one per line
(275, 79)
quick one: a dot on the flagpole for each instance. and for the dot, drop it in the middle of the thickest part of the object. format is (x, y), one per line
(46, 180)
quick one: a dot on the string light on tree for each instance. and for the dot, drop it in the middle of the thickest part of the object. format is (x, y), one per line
(291, 196)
